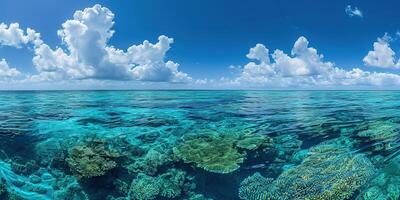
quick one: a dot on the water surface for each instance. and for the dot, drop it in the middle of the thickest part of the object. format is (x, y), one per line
(132, 144)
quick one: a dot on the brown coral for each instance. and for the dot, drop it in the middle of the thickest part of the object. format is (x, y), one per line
(91, 159)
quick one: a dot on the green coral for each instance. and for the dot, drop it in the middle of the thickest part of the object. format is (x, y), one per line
(213, 153)
(253, 187)
(253, 142)
(327, 174)
(379, 131)
(144, 187)
(382, 133)
(168, 185)
(91, 159)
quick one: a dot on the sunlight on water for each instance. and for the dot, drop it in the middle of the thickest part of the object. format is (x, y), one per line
(199, 145)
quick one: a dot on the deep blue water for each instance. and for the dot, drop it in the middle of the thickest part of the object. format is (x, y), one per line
(200, 145)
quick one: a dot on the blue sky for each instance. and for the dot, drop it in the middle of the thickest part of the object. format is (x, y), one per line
(211, 35)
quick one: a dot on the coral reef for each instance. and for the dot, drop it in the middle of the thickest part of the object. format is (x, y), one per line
(150, 162)
(386, 185)
(48, 150)
(382, 134)
(91, 159)
(67, 187)
(168, 185)
(326, 174)
(212, 153)
(43, 185)
(254, 187)
(287, 145)
(253, 142)
(220, 153)
(24, 168)
(379, 131)
(144, 187)
(195, 196)
(172, 183)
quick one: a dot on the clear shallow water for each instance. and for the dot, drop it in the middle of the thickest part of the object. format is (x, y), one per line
(200, 145)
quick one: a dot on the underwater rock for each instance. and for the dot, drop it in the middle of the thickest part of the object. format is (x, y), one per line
(326, 174)
(212, 153)
(168, 185)
(92, 159)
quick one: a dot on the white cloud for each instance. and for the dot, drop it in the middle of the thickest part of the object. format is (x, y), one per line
(6, 71)
(85, 55)
(382, 56)
(147, 61)
(305, 67)
(353, 12)
(88, 56)
(12, 35)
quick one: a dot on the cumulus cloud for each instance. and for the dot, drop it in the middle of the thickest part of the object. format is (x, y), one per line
(302, 68)
(382, 56)
(12, 35)
(353, 12)
(87, 54)
(6, 71)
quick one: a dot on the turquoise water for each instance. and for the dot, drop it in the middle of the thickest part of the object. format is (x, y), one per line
(200, 145)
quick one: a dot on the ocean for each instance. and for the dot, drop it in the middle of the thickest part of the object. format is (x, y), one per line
(198, 145)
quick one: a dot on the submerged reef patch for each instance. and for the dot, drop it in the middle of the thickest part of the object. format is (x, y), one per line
(220, 153)
(43, 185)
(252, 142)
(91, 159)
(212, 153)
(326, 174)
(150, 162)
(170, 184)
(381, 136)
(386, 185)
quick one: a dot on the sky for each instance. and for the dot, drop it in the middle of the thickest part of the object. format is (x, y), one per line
(199, 44)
